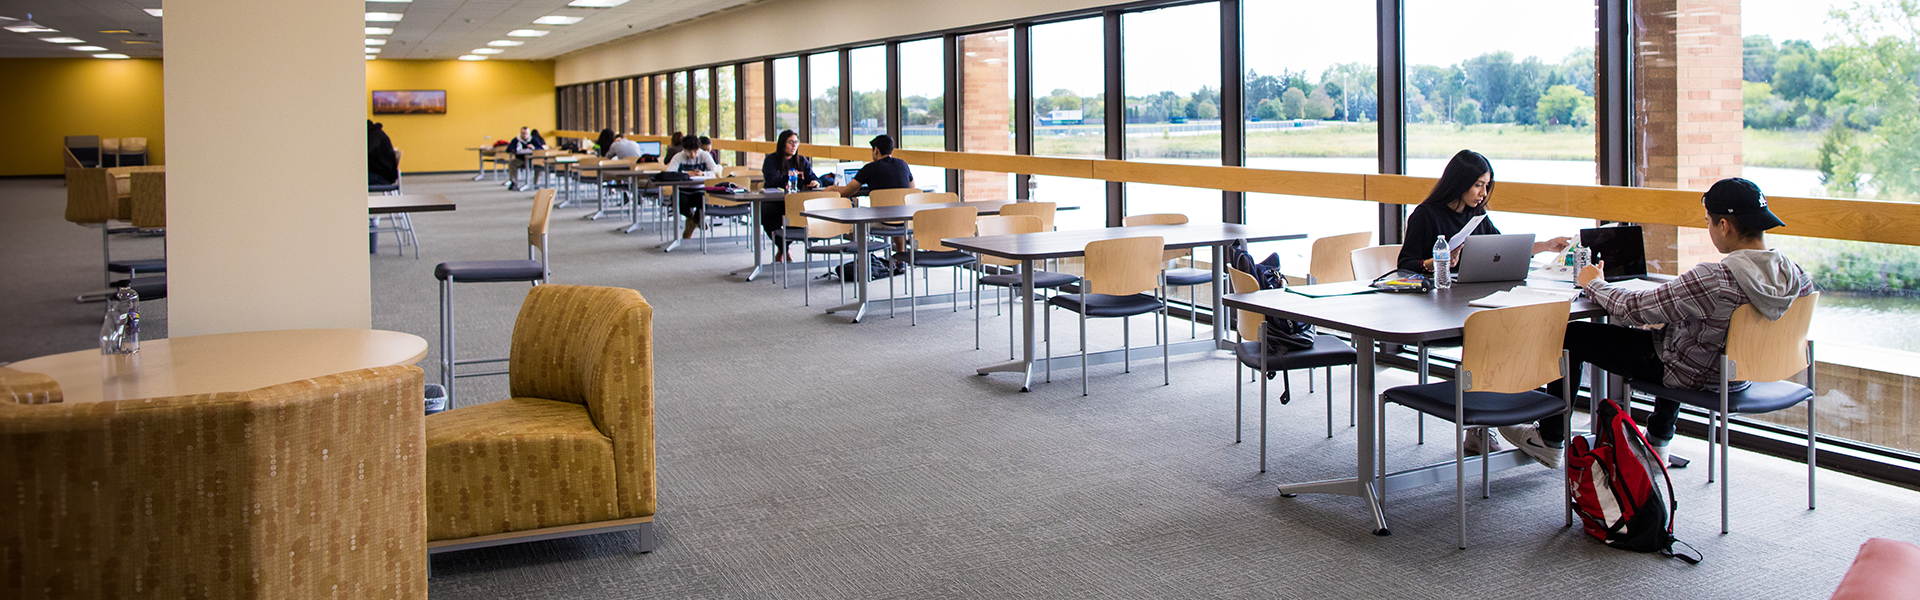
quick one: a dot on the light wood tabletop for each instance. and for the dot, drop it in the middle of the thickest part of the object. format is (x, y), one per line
(226, 362)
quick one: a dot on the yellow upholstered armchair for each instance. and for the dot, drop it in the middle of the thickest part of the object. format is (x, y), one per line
(309, 489)
(571, 451)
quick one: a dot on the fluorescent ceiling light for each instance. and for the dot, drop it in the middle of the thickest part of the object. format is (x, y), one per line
(528, 32)
(371, 57)
(29, 27)
(486, 51)
(379, 31)
(596, 3)
(473, 57)
(117, 31)
(374, 42)
(111, 56)
(87, 48)
(153, 11)
(372, 50)
(383, 17)
(63, 40)
(505, 43)
(557, 20)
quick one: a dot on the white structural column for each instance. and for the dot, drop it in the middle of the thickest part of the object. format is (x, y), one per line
(265, 121)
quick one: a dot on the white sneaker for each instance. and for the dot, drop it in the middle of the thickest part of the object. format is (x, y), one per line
(1473, 443)
(1527, 438)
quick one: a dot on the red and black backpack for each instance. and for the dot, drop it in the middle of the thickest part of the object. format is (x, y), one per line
(1612, 475)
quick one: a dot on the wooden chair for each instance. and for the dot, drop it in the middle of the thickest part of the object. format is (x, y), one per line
(93, 200)
(1332, 259)
(892, 197)
(796, 228)
(534, 269)
(1508, 354)
(1042, 210)
(930, 198)
(1189, 276)
(110, 152)
(1766, 353)
(738, 171)
(1042, 280)
(818, 230)
(1119, 273)
(725, 209)
(133, 152)
(927, 252)
(1251, 352)
(1371, 262)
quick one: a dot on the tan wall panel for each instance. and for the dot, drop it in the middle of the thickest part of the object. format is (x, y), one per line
(1236, 179)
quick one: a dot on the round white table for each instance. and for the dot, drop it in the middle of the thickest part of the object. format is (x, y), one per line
(225, 362)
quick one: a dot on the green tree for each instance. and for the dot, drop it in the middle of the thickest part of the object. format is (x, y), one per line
(1294, 103)
(1469, 113)
(1203, 110)
(1564, 105)
(1577, 69)
(1269, 110)
(1840, 161)
(1319, 105)
(1798, 75)
(1756, 58)
(1879, 67)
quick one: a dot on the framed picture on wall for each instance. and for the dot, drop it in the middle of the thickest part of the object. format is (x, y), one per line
(410, 102)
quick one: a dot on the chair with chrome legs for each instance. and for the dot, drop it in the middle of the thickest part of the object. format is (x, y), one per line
(1767, 354)
(1251, 352)
(533, 270)
(818, 230)
(1119, 275)
(1042, 280)
(1370, 263)
(1509, 353)
(1189, 276)
(725, 209)
(927, 252)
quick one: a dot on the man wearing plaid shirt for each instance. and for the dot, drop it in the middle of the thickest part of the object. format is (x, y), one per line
(1694, 309)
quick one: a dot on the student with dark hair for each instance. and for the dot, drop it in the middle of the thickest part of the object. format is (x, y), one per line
(1462, 193)
(785, 160)
(694, 163)
(1694, 308)
(623, 148)
(673, 142)
(706, 145)
(884, 173)
(383, 164)
(528, 141)
(604, 145)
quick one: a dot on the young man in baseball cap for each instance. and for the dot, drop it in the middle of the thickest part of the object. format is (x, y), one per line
(1695, 309)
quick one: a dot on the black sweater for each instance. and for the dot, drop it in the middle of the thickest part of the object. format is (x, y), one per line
(1428, 222)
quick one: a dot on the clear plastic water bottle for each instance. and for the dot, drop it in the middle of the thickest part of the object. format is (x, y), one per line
(1442, 264)
(120, 330)
(793, 181)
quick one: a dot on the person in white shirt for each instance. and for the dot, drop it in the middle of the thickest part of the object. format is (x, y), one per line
(694, 163)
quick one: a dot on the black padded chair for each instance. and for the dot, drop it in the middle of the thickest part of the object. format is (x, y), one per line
(532, 270)
(929, 253)
(1042, 280)
(1251, 352)
(1119, 273)
(1188, 276)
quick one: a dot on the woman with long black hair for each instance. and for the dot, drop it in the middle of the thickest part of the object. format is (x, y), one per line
(1464, 189)
(784, 160)
(605, 143)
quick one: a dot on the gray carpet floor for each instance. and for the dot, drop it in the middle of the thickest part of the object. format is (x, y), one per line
(801, 456)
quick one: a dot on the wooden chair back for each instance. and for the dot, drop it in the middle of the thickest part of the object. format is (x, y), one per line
(1514, 349)
(892, 197)
(90, 196)
(1371, 262)
(1247, 322)
(827, 229)
(652, 166)
(133, 145)
(1332, 259)
(1159, 219)
(1043, 210)
(537, 226)
(797, 203)
(736, 171)
(149, 189)
(1123, 266)
(1764, 350)
(109, 146)
(1006, 225)
(933, 225)
(743, 182)
(932, 198)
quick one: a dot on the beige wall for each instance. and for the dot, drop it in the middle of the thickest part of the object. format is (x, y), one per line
(266, 221)
(777, 26)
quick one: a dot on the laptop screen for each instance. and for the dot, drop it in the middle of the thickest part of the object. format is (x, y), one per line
(649, 147)
(1620, 247)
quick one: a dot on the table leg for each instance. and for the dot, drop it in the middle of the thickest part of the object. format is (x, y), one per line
(676, 221)
(862, 271)
(1219, 312)
(1366, 481)
(599, 200)
(753, 231)
(482, 173)
(1024, 366)
(633, 195)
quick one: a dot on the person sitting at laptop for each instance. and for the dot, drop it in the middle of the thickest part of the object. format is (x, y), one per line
(1461, 194)
(1695, 309)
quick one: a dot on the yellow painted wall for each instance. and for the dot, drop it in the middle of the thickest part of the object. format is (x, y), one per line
(47, 99)
(484, 98)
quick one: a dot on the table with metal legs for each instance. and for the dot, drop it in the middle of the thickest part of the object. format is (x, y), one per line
(754, 228)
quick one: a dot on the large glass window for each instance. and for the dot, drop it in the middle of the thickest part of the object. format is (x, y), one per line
(724, 103)
(823, 86)
(1069, 115)
(658, 121)
(677, 109)
(1173, 103)
(923, 75)
(786, 94)
(869, 95)
(702, 104)
(986, 109)
(1311, 105)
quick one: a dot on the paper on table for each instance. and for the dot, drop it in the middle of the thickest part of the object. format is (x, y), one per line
(1331, 289)
(1461, 237)
(1522, 296)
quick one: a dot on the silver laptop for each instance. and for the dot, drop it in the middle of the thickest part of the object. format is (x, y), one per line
(1495, 258)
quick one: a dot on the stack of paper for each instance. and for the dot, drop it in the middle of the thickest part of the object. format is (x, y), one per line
(1521, 296)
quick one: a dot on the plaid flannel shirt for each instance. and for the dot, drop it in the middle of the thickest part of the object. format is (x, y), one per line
(1696, 308)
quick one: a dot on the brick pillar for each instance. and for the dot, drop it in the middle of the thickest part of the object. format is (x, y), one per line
(754, 90)
(985, 74)
(1688, 111)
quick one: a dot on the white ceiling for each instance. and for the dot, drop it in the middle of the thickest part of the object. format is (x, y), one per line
(430, 29)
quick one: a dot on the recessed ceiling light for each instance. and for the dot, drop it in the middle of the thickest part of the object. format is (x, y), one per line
(556, 20)
(383, 17)
(596, 3)
(87, 48)
(486, 51)
(505, 43)
(28, 26)
(473, 57)
(379, 31)
(373, 51)
(371, 57)
(374, 42)
(63, 40)
(528, 32)
(153, 11)
(111, 56)
(117, 31)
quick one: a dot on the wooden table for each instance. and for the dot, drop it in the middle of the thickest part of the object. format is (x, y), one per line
(1392, 318)
(862, 219)
(1030, 247)
(753, 198)
(404, 203)
(226, 362)
(481, 153)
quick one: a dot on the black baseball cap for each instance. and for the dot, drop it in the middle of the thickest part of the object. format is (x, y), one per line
(1740, 199)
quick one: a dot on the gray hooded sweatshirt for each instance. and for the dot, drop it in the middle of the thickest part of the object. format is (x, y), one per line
(1697, 306)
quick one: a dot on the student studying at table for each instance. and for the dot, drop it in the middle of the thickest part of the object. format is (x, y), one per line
(1462, 193)
(784, 161)
(884, 173)
(623, 148)
(1695, 309)
(603, 146)
(694, 163)
(528, 141)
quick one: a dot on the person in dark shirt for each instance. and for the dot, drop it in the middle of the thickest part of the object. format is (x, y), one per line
(527, 142)
(1462, 193)
(784, 160)
(884, 173)
(383, 164)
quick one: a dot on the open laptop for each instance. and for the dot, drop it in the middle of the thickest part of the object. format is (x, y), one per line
(1622, 248)
(1495, 258)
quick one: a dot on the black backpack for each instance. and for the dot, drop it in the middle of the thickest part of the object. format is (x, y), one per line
(877, 268)
(1280, 335)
